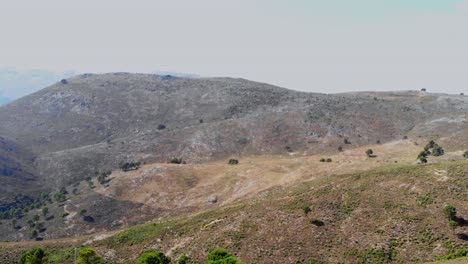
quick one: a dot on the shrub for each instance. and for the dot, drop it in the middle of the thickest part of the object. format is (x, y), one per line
(83, 211)
(458, 254)
(437, 150)
(453, 224)
(177, 161)
(183, 260)
(329, 160)
(33, 256)
(465, 154)
(88, 255)
(450, 211)
(34, 234)
(430, 144)
(64, 81)
(45, 210)
(307, 209)
(233, 162)
(153, 258)
(161, 127)
(422, 159)
(369, 152)
(340, 148)
(132, 165)
(221, 256)
(60, 197)
(322, 160)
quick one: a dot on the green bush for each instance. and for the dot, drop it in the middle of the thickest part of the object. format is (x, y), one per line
(453, 224)
(153, 258)
(329, 160)
(465, 154)
(88, 255)
(322, 160)
(307, 209)
(33, 256)
(177, 161)
(437, 150)
(369, 152)
(221, 256)
(233, 162)
(450, 211)
(127, 166)
(183, 260)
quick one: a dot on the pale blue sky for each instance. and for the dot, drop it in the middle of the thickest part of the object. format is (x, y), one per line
(321, 46)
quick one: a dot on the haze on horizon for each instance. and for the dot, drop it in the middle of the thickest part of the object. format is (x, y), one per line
(309, 45)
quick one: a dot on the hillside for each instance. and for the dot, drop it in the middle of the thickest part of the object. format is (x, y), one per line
(88, 123)
(389, 214)
(60, 182)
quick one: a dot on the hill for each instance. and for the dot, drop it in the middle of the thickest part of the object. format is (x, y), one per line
(88, 123)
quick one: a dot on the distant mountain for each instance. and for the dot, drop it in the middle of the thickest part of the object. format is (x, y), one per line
(15, 83)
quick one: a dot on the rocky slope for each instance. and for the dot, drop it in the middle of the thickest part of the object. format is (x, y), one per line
(66, 132)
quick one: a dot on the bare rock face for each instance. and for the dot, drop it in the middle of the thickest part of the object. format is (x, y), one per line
(65, 132)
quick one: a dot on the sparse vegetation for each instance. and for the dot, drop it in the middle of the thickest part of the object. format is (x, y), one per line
(102, 177)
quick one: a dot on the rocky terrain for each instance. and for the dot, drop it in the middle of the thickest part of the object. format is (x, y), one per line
(66, 132)
(60, 149)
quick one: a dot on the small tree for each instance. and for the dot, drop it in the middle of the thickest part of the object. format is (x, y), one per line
(88, 255)
(450, 211)
(369, 152)
(153, 258)
(33, 256)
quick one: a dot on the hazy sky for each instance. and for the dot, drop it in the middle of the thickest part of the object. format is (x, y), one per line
(312, 45)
